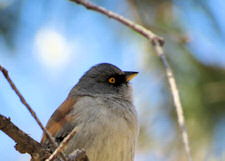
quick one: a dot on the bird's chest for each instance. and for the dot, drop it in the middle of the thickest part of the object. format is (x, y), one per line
(107, 134)
(113, 140)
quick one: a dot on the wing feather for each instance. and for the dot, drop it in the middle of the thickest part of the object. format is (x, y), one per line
(59, 125)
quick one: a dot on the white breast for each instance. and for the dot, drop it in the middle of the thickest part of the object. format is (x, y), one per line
(107, 129)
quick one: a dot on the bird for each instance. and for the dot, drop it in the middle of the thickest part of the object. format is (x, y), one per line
(100, 107)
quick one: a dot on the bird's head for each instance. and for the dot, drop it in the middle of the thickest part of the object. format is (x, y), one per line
(106, 80)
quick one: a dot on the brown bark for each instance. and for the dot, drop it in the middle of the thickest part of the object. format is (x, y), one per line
(24, 143)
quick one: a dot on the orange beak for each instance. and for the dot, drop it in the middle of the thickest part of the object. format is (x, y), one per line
(130, 75)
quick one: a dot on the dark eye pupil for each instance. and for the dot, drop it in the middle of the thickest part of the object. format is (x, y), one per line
(112, 80)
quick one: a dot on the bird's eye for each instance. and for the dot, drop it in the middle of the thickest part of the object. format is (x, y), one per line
(112, 80)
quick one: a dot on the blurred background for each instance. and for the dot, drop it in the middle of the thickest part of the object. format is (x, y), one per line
(47, 46)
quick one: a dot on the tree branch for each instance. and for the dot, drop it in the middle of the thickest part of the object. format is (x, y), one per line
(52, 140)
(157, 43)
(136, 27)
(62, 145)
(25, 144)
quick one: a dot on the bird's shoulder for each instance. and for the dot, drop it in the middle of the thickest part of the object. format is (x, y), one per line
(60, 123)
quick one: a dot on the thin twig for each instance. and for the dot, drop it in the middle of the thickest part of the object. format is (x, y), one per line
(62, 145)
(5, 73)
(176, 98)
(157, 43)
(140, 29)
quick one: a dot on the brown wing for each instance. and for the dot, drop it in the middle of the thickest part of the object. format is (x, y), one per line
(59, 125)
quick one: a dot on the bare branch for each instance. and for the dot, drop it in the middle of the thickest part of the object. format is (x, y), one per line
(62, 145)
(5, 73)
(157, 43)
(25, 144)
(176, 98)
(140, 29)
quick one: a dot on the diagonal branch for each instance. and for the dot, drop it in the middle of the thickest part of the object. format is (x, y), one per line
(176, 98)
(157, 43)
(140, 29)
(62, 145)
(25, 144)
(5, 73)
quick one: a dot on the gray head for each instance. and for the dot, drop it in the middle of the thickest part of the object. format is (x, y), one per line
(105, 80)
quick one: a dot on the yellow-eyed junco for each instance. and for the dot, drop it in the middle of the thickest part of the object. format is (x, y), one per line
(100, 107)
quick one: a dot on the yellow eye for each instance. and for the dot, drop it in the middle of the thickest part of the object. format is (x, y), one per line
(112, 80)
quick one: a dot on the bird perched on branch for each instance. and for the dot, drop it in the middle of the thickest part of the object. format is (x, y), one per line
(101, 109)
